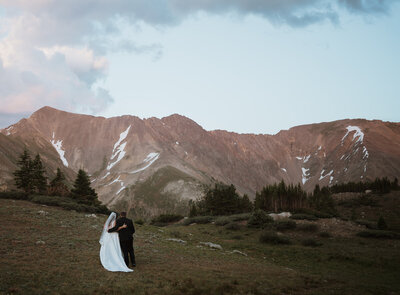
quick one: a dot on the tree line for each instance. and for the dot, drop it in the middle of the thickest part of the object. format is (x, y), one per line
(379, 185)
(30, 176)
(223, 199)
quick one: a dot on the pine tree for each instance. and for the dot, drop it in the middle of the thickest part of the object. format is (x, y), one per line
(57, 185)
(23, 175)
(39, 180)
(82, 188)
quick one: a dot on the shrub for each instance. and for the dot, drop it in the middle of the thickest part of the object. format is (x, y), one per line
(237, 237)
(139, 221)
(382, 224)
(285, 224)
(269, 237)
(14, 195)
(166, 218)
(315, 213)
(259, 219)
(367, 223)
(308, 227)
(325, 234)
(198, 219)
(232, 226)
(68, 204)
(378, 234)
(223, 220)
(311, 243)
(303, 217)
(240, 217)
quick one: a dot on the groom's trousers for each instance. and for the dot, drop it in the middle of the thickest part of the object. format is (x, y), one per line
(127, 250)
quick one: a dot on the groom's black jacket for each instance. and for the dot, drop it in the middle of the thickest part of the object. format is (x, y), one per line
(125, 234)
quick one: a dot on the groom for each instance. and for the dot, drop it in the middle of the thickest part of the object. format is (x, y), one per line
(125, 237)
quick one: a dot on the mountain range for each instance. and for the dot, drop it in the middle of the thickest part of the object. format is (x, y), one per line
(149, 166)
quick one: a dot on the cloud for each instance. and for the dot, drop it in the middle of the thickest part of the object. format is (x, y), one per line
(53, 52)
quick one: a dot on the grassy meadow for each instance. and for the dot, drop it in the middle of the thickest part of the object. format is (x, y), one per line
(49, 250)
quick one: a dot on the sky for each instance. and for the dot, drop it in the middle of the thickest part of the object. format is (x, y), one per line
(255, 66)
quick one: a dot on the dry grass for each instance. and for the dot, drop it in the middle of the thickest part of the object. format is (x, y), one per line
(68, 261)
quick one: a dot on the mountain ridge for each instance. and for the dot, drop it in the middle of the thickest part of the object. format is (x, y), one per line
(121, 152)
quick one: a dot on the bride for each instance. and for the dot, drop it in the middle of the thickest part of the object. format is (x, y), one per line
(110, 251)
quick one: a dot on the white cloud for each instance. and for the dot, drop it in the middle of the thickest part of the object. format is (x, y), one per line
(53, 52)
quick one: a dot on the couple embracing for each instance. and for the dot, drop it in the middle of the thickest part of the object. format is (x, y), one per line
(117, 243)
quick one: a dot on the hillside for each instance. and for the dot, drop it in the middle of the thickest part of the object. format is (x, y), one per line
(47, 250)
(123, 153)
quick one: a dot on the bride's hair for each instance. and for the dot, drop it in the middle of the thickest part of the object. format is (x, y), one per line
(123, 214)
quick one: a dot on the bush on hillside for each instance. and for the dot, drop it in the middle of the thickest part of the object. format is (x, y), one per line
(369, 224)
(303, 217)
(198, 219)
(232, 226)
(285, 225)
(311, 243)
(259, 219)
(378, 234)
(14, 195)
(269, 237)
(69, 204)
(325, 234)
(240, 217)
(223, 220)
(315, 213)
(166, 218)
(308, 227)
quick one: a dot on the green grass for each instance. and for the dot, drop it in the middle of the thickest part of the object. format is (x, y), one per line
(68, 261)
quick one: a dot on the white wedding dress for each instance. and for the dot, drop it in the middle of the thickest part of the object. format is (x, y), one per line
(110, 251)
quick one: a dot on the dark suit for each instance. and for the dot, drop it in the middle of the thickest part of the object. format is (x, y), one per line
(125, 238)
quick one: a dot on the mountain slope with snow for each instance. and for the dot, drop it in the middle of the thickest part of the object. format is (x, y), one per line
(123, 153)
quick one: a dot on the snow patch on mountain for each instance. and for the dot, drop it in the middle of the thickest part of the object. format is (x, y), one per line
(365, 151)
(108, 173)
(9, 130)
(119, 148)
(121, 183)
(358, 133)
(114, 181)
(305, 174)
(283, 169)
(58, 146)
(322, 176)
(150, 159)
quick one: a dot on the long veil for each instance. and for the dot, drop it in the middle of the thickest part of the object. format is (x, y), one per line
(110, 219)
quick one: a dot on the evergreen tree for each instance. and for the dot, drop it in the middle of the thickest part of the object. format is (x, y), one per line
(39, 180)
(59, 178)
(57, 185)
(83, 190)
(193, 209)
(23, 175)
(246, 205)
